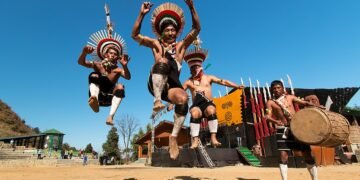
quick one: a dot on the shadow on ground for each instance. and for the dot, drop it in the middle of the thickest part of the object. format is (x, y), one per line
(189, 178)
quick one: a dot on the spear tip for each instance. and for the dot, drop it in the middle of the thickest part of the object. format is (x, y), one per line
(107, 10)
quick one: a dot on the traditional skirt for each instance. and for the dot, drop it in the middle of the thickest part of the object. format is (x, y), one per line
(286, 141)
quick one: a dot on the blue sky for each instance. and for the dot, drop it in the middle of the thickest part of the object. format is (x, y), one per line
(316, 42)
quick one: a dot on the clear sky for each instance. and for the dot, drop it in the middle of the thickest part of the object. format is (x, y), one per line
(316, 42)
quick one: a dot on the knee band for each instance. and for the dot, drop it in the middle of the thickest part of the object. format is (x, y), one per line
(285, 163)
(195, 120)
(310, 161)
(161, 68)
(212, 117)
(94, 78)
(119, 93)
(181, 109)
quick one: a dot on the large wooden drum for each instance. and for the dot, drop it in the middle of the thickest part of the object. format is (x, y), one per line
(315, 126)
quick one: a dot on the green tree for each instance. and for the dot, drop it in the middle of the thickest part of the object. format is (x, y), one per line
(37, 130)
(111, 146)
(89, 148)
(148, 127)
(66, 146)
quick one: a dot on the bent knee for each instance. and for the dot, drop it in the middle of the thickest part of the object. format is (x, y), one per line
(195, 113)
(181, 109)
(182, 98)
(119, 86)
(94, 75)
(94, 78)
(210, 110)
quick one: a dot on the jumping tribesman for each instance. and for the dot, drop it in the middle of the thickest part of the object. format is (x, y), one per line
(280, 111)
(200, 86)
(107, 49)
(164, 84)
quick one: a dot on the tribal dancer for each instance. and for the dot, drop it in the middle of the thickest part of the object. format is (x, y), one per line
(280, 110)
(164, 84)
(107, 48)
(200, 86)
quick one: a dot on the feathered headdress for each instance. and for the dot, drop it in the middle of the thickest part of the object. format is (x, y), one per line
(104, 39)
(197, 55)
(167, 13)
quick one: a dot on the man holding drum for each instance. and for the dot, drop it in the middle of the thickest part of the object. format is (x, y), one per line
(280, 111)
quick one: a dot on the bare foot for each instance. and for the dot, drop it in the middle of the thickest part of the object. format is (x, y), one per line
(94, 104)
(158, 106)
(214, 141)
(173, 147)
(109, 121)
(194, 142)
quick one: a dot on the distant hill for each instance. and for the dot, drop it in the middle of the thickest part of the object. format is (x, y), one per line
(11, 124)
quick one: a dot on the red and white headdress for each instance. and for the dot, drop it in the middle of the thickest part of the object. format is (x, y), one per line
(104, 39)
(197, 55)
(167, 13)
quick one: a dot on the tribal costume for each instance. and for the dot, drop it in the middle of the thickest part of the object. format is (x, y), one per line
(201, 101)
(286, 140)
(173, 74)
(196, 57)
(106, 88)
(102, 41)
(284, 137)
(165, 76)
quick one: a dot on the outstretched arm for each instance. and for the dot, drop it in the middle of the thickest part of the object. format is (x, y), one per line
(189, 38)
(82, 58)
(142, 40)
(225, 82)
(306, 103)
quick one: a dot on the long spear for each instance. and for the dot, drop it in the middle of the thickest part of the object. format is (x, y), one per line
(282, 81)
(266, 99)
(258, 114)
(297, 108)
(261, 107)
(109, 25)
(244, 95)
(256, 126)
(268, 90)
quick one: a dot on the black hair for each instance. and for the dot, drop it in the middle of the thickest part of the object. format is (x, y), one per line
(274, 83)
(113, 48)
(167, 23)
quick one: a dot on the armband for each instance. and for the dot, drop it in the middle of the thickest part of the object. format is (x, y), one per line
(92, 63)
(268, 111)
(141, 39)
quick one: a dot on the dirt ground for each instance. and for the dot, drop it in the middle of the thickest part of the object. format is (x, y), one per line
(132, 172)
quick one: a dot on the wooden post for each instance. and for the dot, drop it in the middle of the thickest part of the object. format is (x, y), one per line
(149, 150)
(140, 151)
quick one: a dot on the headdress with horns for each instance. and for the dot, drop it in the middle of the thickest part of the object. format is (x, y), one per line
(167, 13)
